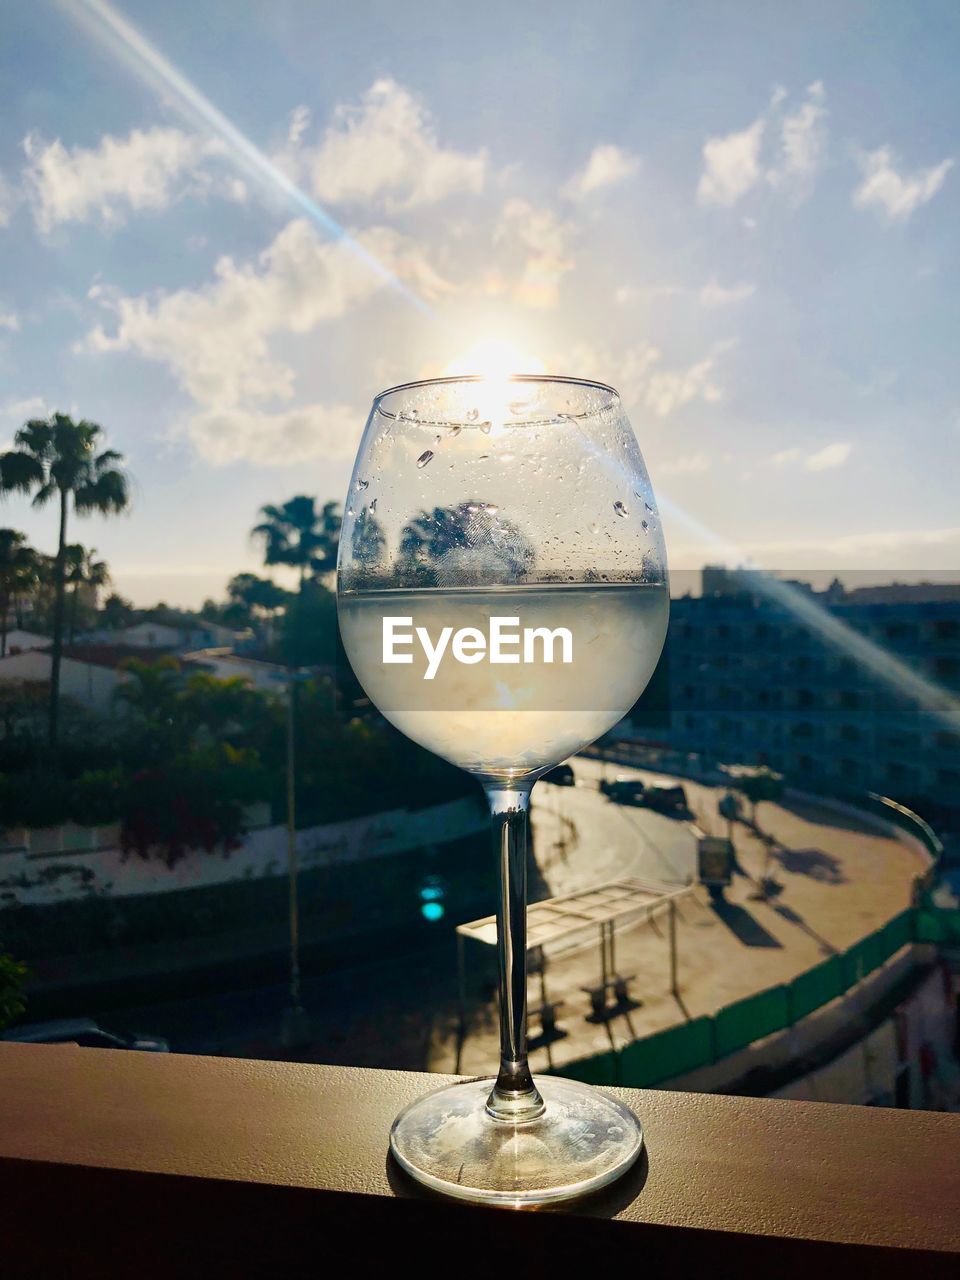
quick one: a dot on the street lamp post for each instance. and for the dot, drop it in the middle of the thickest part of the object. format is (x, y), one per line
(293, 1025)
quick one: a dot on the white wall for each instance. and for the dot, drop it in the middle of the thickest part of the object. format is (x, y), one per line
(226, 666)
(23, 640)
(90, 685)
(82, 873)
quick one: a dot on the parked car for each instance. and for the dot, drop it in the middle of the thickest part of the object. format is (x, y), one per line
(561, 775)
(669, 800)
(84, 1032)
(624, 790)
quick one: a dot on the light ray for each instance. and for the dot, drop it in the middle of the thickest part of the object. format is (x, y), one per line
(148, 63)
(893, 671)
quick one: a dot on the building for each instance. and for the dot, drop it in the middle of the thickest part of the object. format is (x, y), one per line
(778, 674)
(89, 673)
(227, 665)
(198, 634)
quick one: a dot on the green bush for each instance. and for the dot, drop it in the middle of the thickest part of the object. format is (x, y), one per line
(12, 976)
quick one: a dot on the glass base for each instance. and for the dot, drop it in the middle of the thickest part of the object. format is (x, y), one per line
(583, 1140)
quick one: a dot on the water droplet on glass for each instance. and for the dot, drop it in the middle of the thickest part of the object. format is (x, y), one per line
(362, 484)
(644, 524)
(490, 509)
(648, 506)
(472, 415)
(621, 510)
(485, 427)
(424, 457)
(350, 511)
(373, 506)
(455, 430)
(593, 527)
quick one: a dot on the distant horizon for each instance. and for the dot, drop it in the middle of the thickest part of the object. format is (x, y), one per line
(682, 582)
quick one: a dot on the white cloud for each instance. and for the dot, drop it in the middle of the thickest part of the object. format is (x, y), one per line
(714, 294)
(895, 194)
(234, 434)
(692, 464)
(148, 169)
(802, 140)
(27, 407)
(731, 165)
(834, 455)
(783, 148)
(607, 165)
(385, 150)
(638, 375)
(786, 457)
(299, 123)
(535, 251)
(216, 339)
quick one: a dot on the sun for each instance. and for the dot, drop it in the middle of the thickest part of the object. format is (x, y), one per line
(495, 359)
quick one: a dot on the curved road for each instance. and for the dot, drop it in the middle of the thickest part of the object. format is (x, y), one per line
(583, 839)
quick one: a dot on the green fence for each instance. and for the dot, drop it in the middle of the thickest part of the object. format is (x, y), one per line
(703, 1041)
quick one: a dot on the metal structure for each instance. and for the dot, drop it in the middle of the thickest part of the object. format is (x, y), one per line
(571, 917)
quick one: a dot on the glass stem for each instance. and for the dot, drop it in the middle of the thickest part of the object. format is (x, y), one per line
(514, 1096)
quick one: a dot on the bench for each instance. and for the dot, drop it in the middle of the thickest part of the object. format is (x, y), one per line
(619, 985)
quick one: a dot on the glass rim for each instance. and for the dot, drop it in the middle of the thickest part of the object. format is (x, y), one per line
(464, 379)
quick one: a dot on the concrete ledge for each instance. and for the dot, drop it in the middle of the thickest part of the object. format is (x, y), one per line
(119, 1164)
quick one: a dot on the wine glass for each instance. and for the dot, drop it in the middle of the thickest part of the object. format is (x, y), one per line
(503, 599)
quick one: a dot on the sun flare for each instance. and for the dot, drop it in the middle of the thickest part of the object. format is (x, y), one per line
(496, 359)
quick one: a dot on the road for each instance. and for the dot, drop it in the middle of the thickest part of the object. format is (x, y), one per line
(583, 839)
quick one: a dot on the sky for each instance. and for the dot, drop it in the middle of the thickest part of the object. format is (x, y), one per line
(224, 228)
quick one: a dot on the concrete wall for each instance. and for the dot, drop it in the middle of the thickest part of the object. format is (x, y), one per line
(43, 874)
(914, 1049)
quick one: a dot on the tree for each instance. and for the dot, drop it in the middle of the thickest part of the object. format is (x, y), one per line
(465, 545)
(258, 594)
(18, 571)
(299, 535)
(57, 459)
(12, 976)
(117, 612)
(152, 694)
(83, 571)
(763, 784)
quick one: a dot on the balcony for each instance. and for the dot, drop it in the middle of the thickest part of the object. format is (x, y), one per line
(120, 1164)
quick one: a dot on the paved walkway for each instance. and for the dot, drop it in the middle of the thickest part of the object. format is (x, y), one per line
(841, 878)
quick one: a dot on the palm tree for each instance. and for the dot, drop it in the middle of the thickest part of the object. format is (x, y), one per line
(57, 459)
(17, 573)
(153, 691)
(83, 571)
(299, 535)
(258, 597)
(116, 612)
